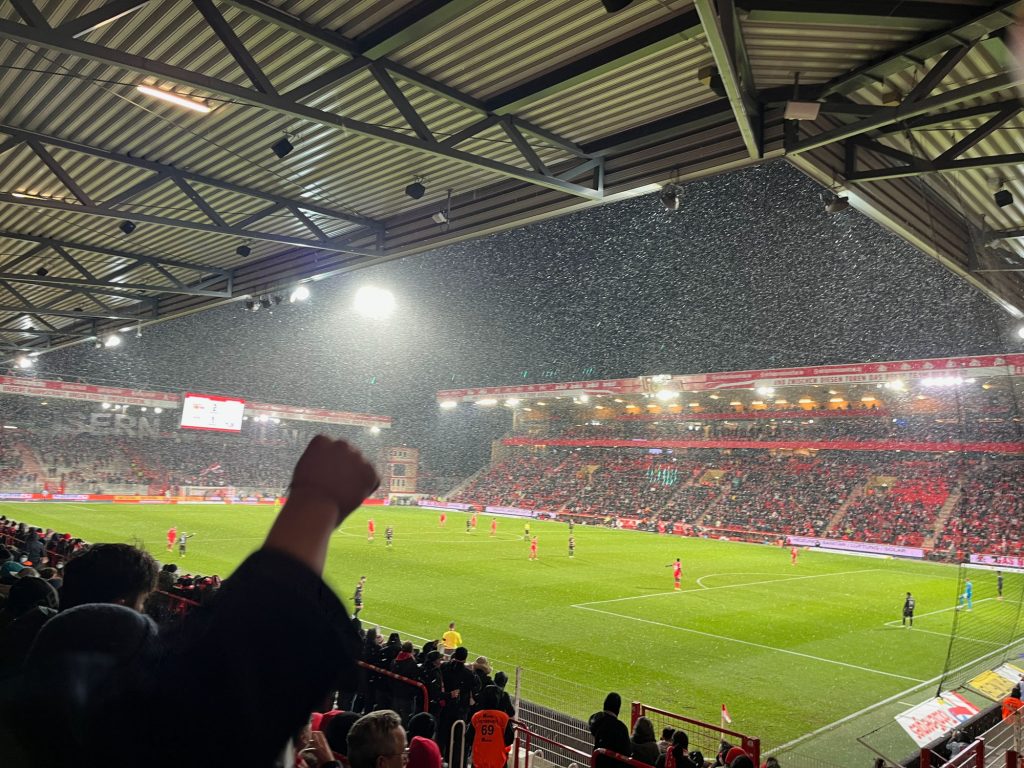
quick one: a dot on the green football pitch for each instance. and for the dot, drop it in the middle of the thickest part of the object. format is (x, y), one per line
(789, 648)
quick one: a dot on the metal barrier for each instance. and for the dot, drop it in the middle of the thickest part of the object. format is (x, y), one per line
(706, 737)
(617, 757)
(457, 726)
(406, 680)
(559, 754)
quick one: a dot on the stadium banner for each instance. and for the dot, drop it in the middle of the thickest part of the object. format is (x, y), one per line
(1010, 561)
(514, 512)
(779, 445)
(855, 546)
(594, 387)
(936, 717)
(318, 415)
(443, 505)
(13, 385)
(997, 683)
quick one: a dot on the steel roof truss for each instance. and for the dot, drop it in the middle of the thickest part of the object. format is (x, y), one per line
(235, 47)
(54, 40)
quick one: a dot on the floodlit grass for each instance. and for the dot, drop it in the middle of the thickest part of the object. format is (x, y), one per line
(787, 648)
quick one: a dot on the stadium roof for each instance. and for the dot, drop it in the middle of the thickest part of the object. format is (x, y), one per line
(521, 109)
(938, 371)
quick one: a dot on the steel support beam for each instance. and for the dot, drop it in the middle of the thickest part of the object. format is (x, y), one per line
(238, 51)
(107, 288)
(101, 17)
(110, 213)
(138, 258)
(278, 105)
(951, 98)
(171, 172)
(868, 13)
(53, 332)
(727, 51)
(411, 24)
(1006, 234)
(980, 133)
(34, 310)
(921, 51)
(683, 27)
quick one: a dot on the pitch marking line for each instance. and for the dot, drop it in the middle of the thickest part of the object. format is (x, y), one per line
(945, 635)
(724, 586)
(940, 610)
(753, 644)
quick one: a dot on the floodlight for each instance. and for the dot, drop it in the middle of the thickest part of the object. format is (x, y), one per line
(1020, 331)
(373, 302)
(277, 298)
(835, 204)
(25, 361)
(301, 293)
(127, 227)
(416, 190)
(105, 406)
(243, 250)
(1003, 198)
(158, 410)
(449, 404)
(512, 402)
(374, 430)
(113, 340)
(666, 394)
(487, 401)
(671, 197)
(282, 147)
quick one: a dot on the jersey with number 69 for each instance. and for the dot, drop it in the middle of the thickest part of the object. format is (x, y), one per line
(489, 748)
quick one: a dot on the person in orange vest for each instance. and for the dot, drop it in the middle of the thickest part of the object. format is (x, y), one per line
(491, 731)
(1012, 703)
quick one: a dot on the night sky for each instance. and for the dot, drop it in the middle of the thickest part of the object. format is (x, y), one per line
(749, 273)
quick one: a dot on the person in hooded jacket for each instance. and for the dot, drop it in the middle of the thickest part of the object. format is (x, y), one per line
(609, 732)
(405, 697)
(644, 745)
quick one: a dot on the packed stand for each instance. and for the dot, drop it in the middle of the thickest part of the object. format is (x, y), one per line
(989, 515)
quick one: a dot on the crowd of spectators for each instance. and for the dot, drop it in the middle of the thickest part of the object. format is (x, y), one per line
(989, 514)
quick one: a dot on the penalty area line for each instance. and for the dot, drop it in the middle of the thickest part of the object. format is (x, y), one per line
(752, 644)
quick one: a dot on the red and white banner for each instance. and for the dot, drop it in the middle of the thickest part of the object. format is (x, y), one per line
(854, 373)
(1008, 561)
(936, 717)
(13, 385)
(781, 445)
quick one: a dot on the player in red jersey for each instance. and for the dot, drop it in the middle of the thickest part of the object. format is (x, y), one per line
(533, 548)
(793, 553)
(472, 521)
(369, 529)
(494, 526)
(677, 572)
(442, 520)
(172, 535)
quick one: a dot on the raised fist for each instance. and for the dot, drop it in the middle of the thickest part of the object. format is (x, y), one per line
(335, 470)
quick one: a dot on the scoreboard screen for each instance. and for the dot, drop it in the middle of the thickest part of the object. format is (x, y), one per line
(212, 412)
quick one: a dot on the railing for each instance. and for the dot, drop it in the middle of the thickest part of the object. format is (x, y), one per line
(406, 680)
(559, 754)
(617, 757)
(707, 737)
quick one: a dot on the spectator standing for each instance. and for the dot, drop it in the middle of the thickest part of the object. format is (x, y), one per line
(490, 731)
(609, 732)
(460, 684)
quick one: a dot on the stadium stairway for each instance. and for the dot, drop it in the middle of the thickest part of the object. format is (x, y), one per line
(465, 483)
(940, 519)
(837, 518)
(29, 460)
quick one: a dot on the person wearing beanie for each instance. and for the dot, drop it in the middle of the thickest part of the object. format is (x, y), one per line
(734, 754)
(430, 676)
(505, 701)
(423, 753)
(422, 724)
(609, 732)
(336, 729)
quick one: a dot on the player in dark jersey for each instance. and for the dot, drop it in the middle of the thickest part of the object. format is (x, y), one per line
(908, 610)
(357, 598)
(572, 546)
(999, 585)
(389, 535)
(469, 525)
(183, 542)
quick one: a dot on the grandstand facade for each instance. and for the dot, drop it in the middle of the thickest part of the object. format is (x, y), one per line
(60, 438)
(921, 457)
